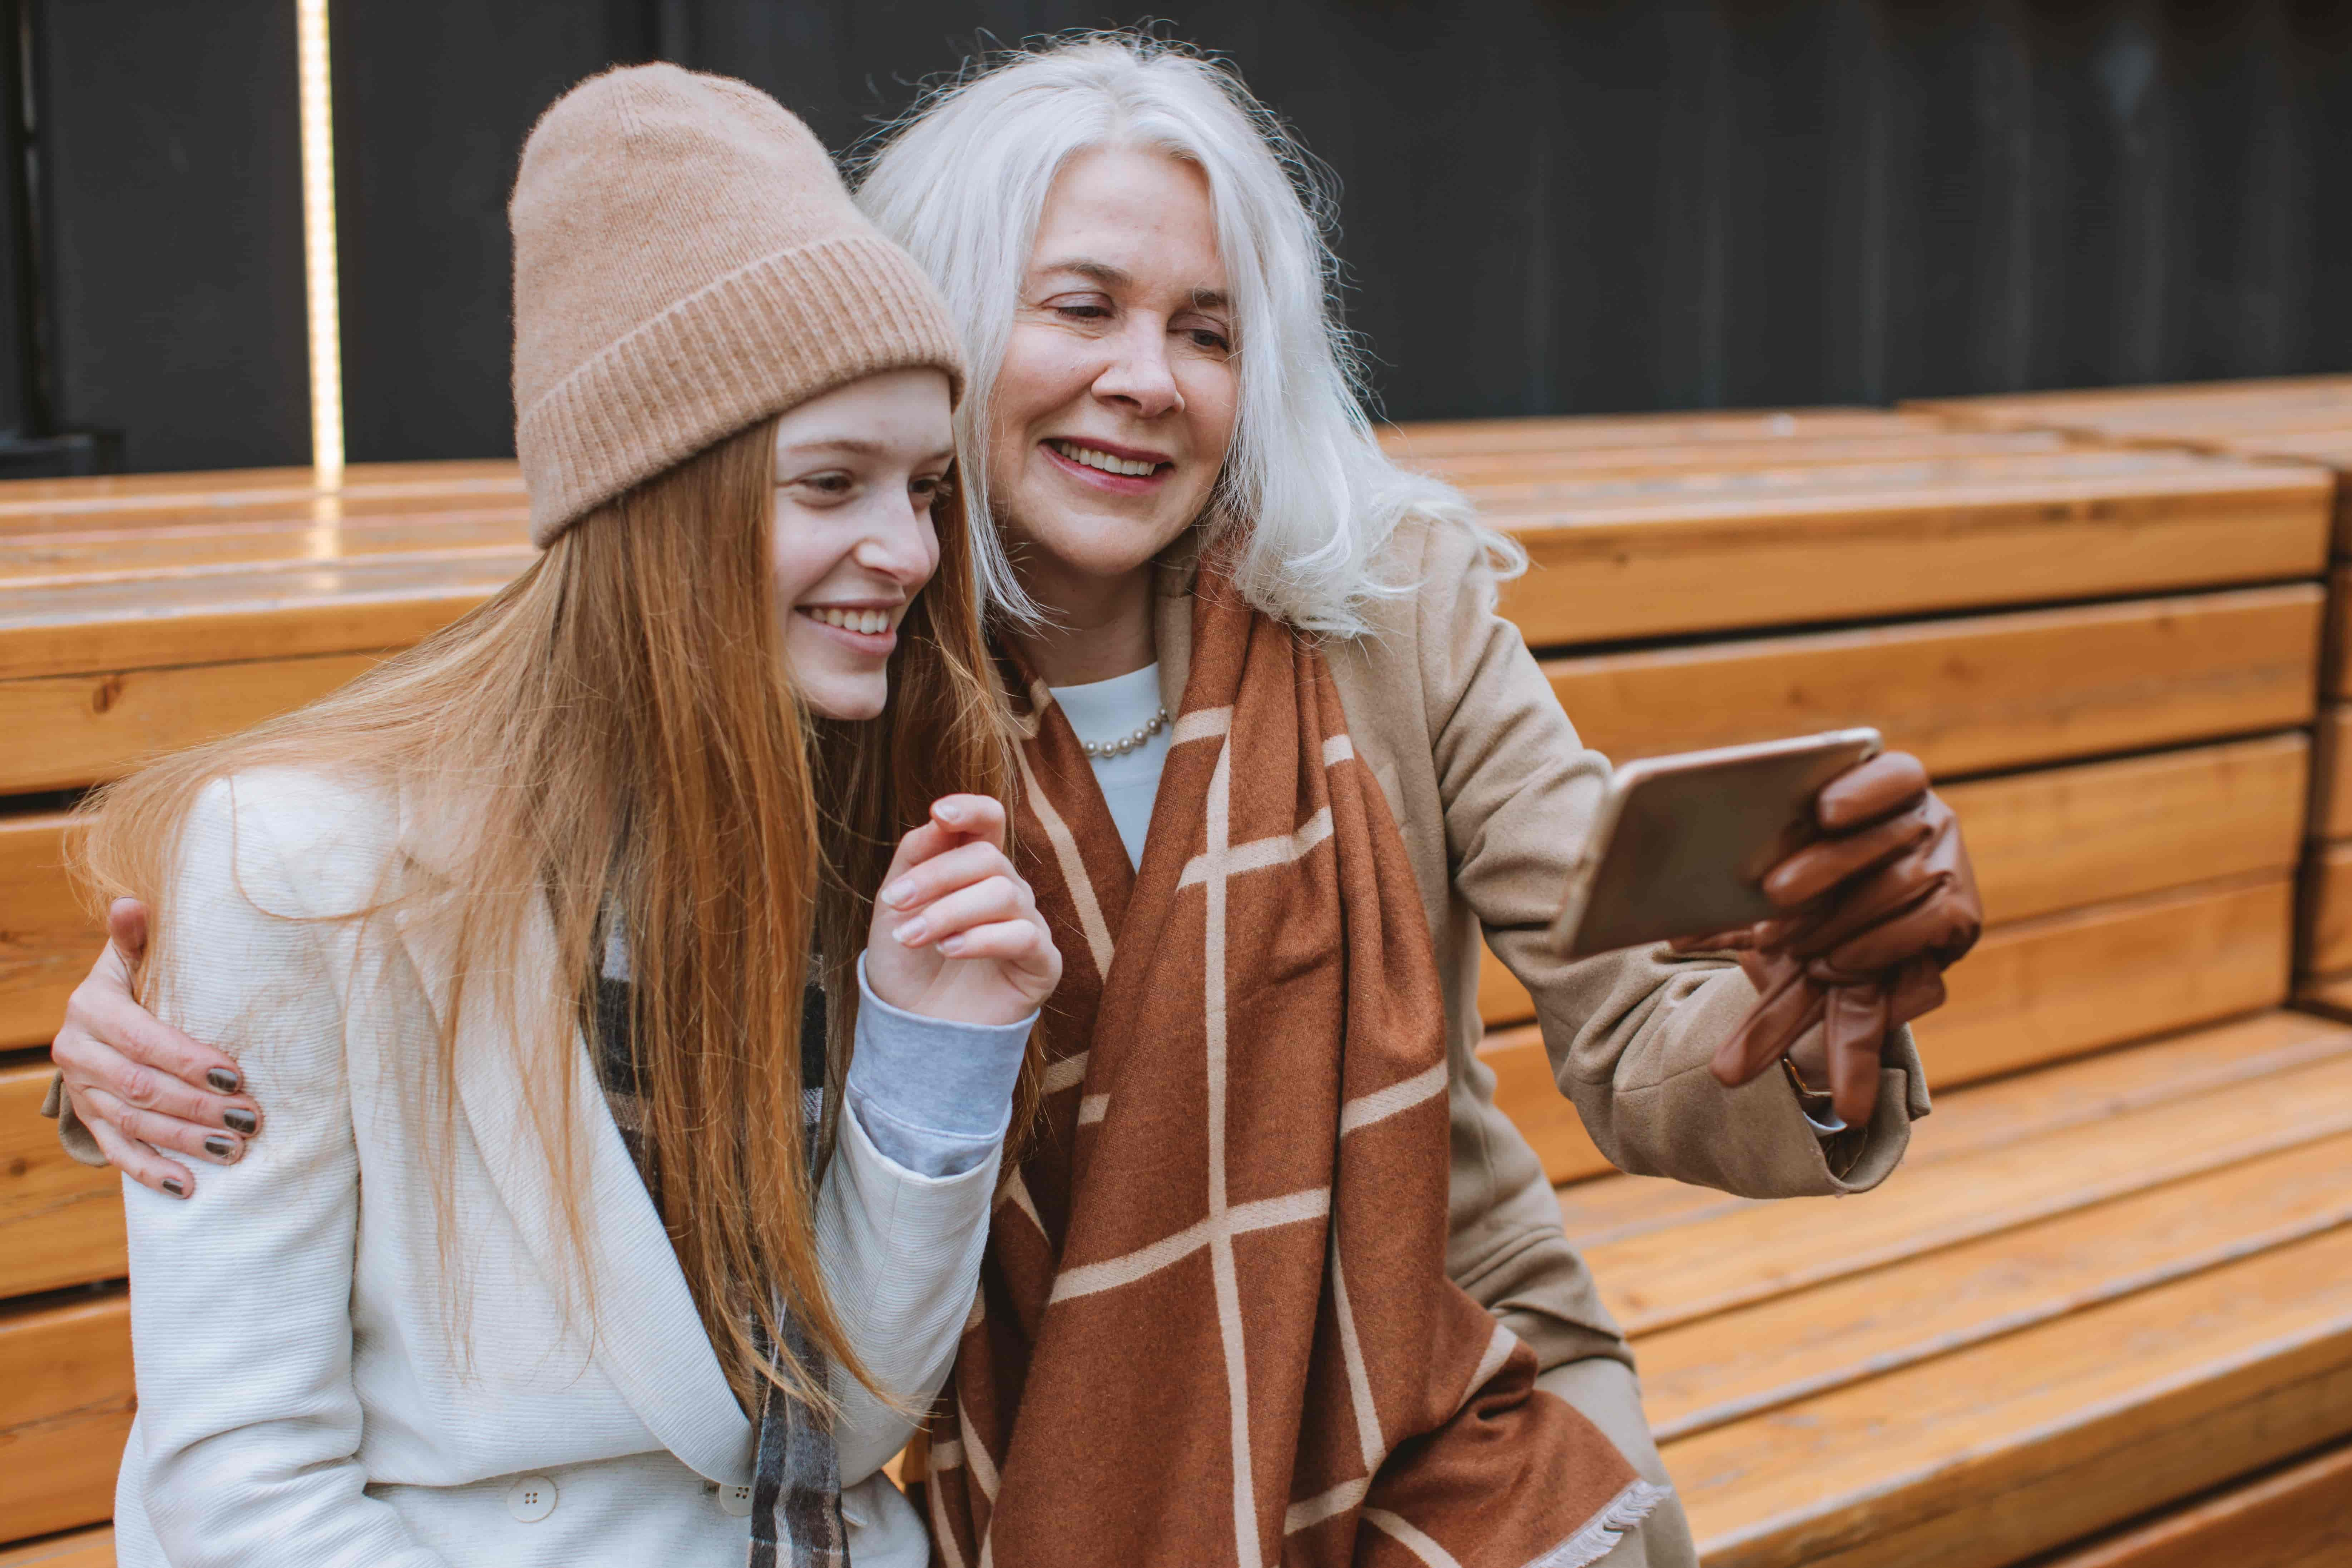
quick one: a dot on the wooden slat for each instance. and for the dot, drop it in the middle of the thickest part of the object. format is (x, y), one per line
(2034, 992)
(82, 1549)
(46, 940)
(1974, 693)
(1722, 1369)
(2324, 940)
(1719, 1264)
(2055, 987)
(274, 610)
(65, 1410)
(1628, 564)
(2331, 772)
(1445, 438)
(60, 1223)
(1981, 1458)
(62, 552)
(2062, 838)
(1977, 1118)
(2299, 1516)
(1474, 471)
(94, 727)
(2176, 408)
(232, 489)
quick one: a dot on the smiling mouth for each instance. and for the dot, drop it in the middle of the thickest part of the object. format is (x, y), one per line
(855, 618)
(1106, 462)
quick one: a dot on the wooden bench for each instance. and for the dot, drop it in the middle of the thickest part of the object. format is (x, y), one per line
(2128, 1140)
(2106, 657)
(2303, 420)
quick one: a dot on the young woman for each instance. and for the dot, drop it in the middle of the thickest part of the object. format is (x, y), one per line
(1274, 1256)
(540, 1262)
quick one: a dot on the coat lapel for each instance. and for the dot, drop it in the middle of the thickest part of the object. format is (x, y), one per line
(648, 1336)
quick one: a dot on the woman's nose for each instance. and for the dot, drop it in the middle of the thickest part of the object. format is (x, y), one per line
(901, 545)
(1139, 375)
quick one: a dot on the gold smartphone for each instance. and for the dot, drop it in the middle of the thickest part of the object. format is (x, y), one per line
(1682, 843)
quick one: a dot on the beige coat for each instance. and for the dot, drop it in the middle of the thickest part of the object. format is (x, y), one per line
(1493, 790)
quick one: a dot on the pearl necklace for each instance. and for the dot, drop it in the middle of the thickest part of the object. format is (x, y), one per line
(1128, 741)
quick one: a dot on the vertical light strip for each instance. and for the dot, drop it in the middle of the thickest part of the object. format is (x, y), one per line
(318, 246)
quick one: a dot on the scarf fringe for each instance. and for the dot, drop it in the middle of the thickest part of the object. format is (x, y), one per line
(1626, 1512)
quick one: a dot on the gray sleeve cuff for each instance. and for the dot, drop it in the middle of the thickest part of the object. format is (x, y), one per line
(935, 1097)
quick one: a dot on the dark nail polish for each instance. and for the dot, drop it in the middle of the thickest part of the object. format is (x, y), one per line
(242, 1122)
(219, 1148)
(172, 1184)
(223, 1080)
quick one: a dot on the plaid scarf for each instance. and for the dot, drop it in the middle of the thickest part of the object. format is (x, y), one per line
(796, 1472)
(1214, 1325)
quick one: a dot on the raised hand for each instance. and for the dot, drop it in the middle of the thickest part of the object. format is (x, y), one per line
(140, 1086)
(955, 932)
(1877, 908)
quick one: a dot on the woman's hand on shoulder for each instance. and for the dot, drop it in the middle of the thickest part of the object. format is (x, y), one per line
(956, 933)
(140, 1086)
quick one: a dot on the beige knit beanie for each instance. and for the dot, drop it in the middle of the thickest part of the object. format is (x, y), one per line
(687, 263)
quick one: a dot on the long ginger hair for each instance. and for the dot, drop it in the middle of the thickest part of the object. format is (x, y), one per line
(615, 735)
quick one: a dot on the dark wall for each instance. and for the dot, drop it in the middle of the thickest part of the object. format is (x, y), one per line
(170, 173)
(1549, 206)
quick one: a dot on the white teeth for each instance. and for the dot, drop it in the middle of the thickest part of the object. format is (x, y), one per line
(851, 620)
(1135, 467)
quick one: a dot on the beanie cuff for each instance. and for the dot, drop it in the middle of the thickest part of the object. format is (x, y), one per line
(765, 338)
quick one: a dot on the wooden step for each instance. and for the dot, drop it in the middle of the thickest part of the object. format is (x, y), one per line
(264, 612)
(2117, 1283)
(1718, 1370)
(1639, 560)
(1724, 1262)
(60, 1223)
(46, 939)
(2033, 992)
(1975, 693)
(2331, 773)
(2007, 1112)
(80, 1549)
(2296, 1517)
(1475, 470)
(1436, 438)
(65, 1410)
(97, 727)
(2062, 838)
(1984, 1455)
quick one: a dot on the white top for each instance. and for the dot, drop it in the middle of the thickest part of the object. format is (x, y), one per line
(1104, 711)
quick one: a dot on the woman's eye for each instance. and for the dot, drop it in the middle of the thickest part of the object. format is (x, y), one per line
(826, 484)
(1082, 313)
(932, 492)
(1203, 337)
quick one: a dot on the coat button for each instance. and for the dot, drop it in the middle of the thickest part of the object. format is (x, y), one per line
(531, 1499)
(735, 1502)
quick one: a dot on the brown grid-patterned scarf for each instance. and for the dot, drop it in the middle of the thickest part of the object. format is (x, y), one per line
(1214, 1325)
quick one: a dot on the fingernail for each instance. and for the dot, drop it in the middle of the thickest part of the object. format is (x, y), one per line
(223, 1080)
(913, 931)
(243, 1121)
(172, 1185)
(947, 811)
(898, 892)
(951, 946)
(219, 1148)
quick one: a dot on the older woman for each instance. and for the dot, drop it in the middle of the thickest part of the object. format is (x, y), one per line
(1277, 1279)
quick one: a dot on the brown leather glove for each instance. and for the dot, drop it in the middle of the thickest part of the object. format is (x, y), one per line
(1878, 907)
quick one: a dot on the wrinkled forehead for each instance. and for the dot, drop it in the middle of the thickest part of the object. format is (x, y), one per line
(1130, 217)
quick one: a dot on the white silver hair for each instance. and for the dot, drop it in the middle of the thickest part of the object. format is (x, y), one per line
(961, 182)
